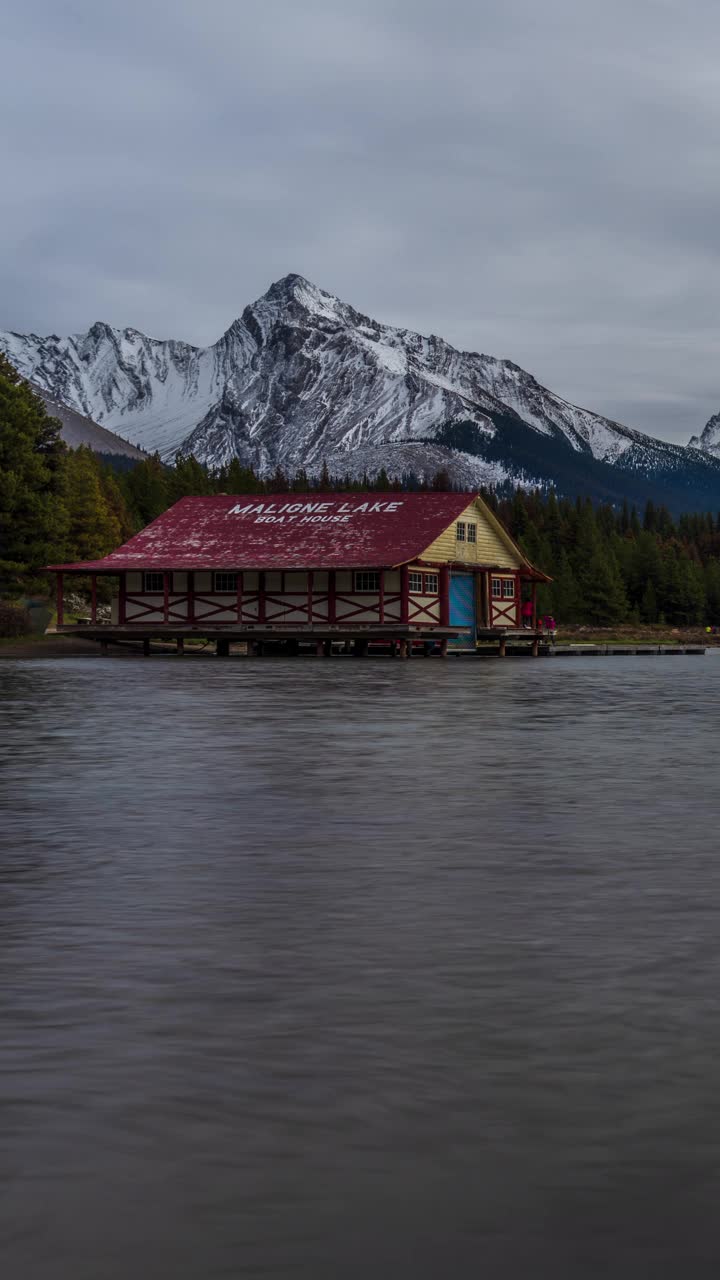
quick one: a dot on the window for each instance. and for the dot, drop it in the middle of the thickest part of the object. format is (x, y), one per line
(431, 584)
(153, 582)
(508, 588)
(225, 582)
(461, 530)
(497, 588)
(472, 533)
(367, 580)
(416, 582)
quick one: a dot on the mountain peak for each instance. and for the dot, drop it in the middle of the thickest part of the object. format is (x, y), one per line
(709, 440)
(287, 284)
(100, 330)
(291, 297)
(294, 288)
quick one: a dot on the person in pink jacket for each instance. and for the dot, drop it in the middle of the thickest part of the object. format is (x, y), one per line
(527, 613)
(550, 626)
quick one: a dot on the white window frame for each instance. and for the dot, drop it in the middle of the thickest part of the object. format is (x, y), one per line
(472, 532)
(497, 590)
(508, 588)
(222, 591)
(153, 591)
(366, 582)
(461, 530)
(432, 584)
(415, 582)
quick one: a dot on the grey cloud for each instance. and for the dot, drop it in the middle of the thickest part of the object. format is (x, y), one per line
(539, 181)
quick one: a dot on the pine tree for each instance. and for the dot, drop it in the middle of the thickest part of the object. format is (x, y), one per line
(93, 528)
(116, 503)
(565, 593)
(603, 599)
(33, 518)
(648, 604)
(301, 482)
(240, 479)
(145, 490)
(712, 591)
(187, 479)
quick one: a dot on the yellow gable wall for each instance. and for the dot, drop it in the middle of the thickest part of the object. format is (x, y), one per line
(490, 548)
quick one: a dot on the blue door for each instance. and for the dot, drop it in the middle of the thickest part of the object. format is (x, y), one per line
(462, 607)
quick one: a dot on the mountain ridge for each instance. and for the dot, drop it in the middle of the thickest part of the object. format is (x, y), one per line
(302, 379)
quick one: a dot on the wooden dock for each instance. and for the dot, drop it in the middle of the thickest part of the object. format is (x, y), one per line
(618, 650)
(362, 639)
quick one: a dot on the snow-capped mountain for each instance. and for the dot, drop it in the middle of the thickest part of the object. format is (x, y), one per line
(302, 378)
(709, 438)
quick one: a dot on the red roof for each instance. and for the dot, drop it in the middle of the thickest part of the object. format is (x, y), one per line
(287, 531)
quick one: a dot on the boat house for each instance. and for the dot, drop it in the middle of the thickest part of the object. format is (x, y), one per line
(364, 567)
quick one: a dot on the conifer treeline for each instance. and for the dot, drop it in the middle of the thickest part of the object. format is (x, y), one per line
(611, 566)
(607, 565)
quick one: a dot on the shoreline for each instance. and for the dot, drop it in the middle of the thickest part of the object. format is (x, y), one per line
(63, 646)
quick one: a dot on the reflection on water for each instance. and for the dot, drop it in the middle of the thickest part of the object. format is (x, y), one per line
(350, 968)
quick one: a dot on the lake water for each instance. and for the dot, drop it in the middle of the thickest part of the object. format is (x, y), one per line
(359, 968)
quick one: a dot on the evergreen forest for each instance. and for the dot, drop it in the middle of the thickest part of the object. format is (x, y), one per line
(609, 563)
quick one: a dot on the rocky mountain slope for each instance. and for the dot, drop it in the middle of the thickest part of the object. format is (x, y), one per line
(77, 430)
(302, 378)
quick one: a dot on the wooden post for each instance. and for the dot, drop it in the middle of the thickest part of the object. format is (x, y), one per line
(536, 648)
(444, 596)
(261, 597)
(403, 648)
(320, 648)
(166, 596)
(103, 648)
(310, 584)
(444, 648)
(502, 647)
(332, 596)
(93, 598)
(404, 594)
(239, 595)
(146, 648)
(191, 596)
(478, 594)
(327, 648)
(60, 603)
(122, 605)
(222, 648)
(180, 645)
(381, 597)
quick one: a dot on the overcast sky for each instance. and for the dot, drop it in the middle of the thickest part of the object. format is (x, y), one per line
(536, 179)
